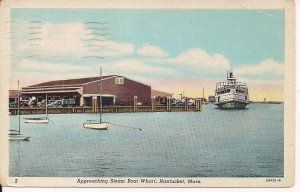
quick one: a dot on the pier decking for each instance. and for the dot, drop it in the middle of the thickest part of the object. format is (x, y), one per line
(110, 109)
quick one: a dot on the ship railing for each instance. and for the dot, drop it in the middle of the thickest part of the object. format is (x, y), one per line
(241, 84)
(226, 86)
(234, 99)
(224, 83)
(220, 88)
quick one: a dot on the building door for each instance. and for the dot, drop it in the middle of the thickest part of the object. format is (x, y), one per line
(88, 101)
(107, 101)
(77, 100)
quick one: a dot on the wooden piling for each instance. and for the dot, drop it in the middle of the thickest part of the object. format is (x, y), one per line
(168, 104)
(135, 104)
(186, 104)
(94, 105)
(153, 104)
(198, 105)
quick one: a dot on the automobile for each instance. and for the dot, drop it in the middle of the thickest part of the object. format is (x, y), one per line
(191, 102)
(56, 103)
(41, 104)
(68, 102)
(62, 103)
(13, 104)
(174, 102)
(178, 103)
(24, 103)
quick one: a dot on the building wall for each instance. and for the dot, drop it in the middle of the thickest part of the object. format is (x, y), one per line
(124, 92)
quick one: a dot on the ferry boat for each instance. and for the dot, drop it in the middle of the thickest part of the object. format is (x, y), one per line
(231, 94)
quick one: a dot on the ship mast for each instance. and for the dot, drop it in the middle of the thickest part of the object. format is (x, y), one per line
(100, 98)
(19, 131)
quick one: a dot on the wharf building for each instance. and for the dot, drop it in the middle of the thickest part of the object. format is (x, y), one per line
(13, 96)
(116, 90)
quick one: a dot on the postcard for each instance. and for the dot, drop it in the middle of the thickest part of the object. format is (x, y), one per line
(126, 93)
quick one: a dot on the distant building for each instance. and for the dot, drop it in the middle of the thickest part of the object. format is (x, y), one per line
(116, 90)
(160, 96)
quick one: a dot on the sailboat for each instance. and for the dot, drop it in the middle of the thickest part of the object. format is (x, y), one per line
(16, 134)
(93, 124)
(39, 120)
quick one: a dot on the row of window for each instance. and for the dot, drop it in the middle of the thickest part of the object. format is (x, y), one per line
(228, 91)
(229, 98)
(240, 91)
(225, 91)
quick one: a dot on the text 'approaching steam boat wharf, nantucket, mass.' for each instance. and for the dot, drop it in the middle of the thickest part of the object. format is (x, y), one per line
(119, 94)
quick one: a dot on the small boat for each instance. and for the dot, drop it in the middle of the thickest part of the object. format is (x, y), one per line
(39, 120)
(15, 135)
(231, 94)
(93, 124)
(18, 137)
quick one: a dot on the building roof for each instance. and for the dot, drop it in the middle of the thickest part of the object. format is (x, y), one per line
(13, 93)
(155, 93)
(69, 82)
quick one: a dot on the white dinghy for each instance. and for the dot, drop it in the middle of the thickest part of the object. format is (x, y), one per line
(93, 124)
(15, 135)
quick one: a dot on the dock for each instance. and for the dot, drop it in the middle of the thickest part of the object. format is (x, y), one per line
(111, 109)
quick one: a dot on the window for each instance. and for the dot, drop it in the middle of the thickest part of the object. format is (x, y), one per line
(119, 80)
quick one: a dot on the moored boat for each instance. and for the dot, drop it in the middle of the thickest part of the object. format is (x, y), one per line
(96, 125)
(18, 137)
(15, 135)
(37, 120)
(100, 125)
(231, 94)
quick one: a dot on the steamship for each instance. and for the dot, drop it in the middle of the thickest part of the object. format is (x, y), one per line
(231, 94)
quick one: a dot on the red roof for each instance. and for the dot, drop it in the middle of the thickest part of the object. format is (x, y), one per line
(155, 93)
(80, 81)
(13, 93)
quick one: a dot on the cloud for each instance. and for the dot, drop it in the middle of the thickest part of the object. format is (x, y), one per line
(137, 66)
(69, 40)
(150, 50)
(266, 67)
(198, 59)
(48, 68)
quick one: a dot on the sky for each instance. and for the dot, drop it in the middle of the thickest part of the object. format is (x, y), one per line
(175, 50)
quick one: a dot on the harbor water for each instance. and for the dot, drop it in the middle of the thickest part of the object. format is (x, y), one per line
(211, 143)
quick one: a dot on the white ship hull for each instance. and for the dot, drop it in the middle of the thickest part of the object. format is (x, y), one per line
(232, 105)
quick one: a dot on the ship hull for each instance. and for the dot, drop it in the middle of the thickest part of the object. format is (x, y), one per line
(232, 105)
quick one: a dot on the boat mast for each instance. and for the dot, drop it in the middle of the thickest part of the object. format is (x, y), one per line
(100, 114)
(19, 131)
(46, 105)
